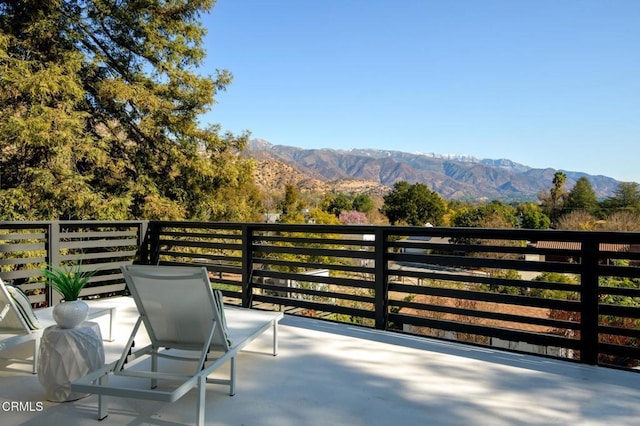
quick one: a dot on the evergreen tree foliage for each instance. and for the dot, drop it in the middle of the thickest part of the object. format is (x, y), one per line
(362, 203)
(626, 197)
(99, 113)
(532, 217)
(291, 206)
(467, 217)
(581, 197)
(338, 203)
(414, 204)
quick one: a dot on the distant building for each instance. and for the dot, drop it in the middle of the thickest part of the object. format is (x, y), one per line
(573, 246)
(271, 217)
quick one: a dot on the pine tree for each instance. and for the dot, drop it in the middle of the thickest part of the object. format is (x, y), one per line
(99, 113)
(626, 197)
(581, 197)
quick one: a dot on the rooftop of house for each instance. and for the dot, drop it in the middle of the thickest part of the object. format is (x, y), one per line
(329, 373)
(574, 245)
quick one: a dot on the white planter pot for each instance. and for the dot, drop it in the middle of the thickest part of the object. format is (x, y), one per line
(70, 314)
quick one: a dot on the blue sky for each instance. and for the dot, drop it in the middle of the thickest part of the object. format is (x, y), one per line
(546, 83)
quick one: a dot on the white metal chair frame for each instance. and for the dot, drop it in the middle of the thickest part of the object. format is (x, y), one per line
(215, 339)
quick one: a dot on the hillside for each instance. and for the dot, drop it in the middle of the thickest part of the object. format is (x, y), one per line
(272, 175)
(453, 177)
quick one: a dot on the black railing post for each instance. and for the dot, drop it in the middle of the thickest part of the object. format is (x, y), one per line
(589, 302)
(153, 257)
(381, 279)
(143, 242)
(247, 265)
(53, 258)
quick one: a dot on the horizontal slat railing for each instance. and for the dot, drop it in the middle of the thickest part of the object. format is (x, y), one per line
(566, 294)
(28, 247)
(491, 287)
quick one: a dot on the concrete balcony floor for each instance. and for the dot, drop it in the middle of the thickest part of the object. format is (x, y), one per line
(333, 374)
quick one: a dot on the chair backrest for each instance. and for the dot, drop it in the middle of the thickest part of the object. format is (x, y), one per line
(12, 322)
(177, 305)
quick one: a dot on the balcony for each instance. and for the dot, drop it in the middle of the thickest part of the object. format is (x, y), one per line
(330, 373)
(383, 323)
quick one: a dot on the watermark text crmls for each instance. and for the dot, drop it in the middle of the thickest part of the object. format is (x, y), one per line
(22, 406)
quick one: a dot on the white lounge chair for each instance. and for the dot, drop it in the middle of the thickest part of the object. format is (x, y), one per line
(19, 324)
(185, 321)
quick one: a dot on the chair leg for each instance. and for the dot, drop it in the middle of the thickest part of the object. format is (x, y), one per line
(103, 401)
(111, 312)
(232, 378)
(202, 387)
(154, 368)
(275, 338)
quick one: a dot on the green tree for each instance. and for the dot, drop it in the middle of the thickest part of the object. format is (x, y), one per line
(623, 321)
(555, 277)
(507, 274)
(337, 203)
(99, 113)
(604, 282)
(581, 197)
(499, 215)
(413, 204)
(532, 217)
(626, 197)
(291, 205)
(467, 217)
(557, 191)
(553, 201)
(492, 215)
(322, 217)
(362, 203)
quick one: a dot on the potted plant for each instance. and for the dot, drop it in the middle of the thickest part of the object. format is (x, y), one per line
(69, 281)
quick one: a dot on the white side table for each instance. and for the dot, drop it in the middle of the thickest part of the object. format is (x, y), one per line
(66, 354)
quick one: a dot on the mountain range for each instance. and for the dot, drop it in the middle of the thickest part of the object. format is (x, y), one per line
(453, 177)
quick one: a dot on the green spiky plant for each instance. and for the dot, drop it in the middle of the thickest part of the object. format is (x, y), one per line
(68, 280)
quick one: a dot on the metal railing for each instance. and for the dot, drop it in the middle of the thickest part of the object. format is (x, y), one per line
(565, 294)
(28, 247)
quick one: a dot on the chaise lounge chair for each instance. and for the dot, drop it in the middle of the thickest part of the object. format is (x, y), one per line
(19, 324)
(185, 321)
